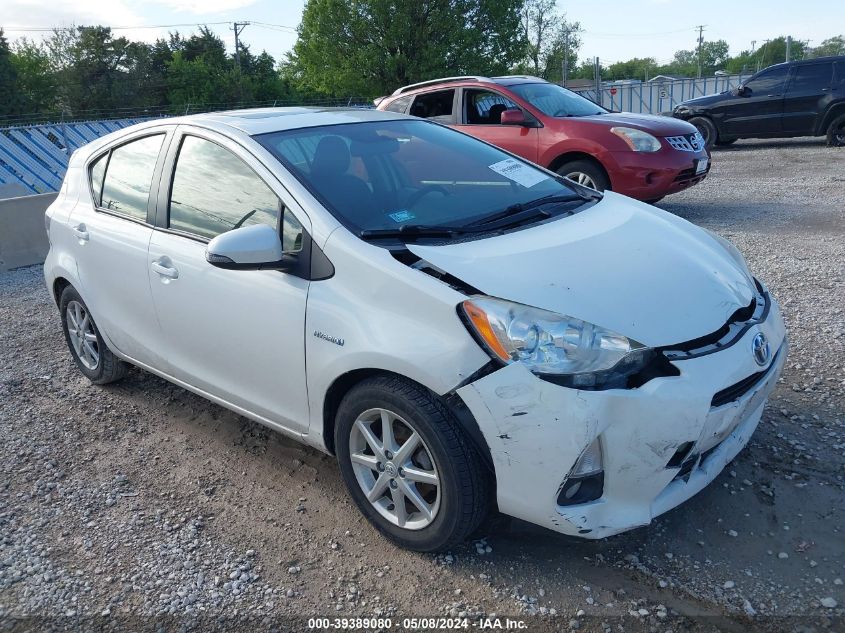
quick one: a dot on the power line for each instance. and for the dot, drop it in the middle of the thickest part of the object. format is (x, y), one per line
(628, 35)
(35, 29)
(270, 25)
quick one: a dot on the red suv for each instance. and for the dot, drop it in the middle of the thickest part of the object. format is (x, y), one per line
(645, 157)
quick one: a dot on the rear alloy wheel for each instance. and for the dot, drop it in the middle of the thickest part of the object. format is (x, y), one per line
(90, 353)
(408, 465)
(706, 129)
(585, 173)
(83, 338)
(836, 132)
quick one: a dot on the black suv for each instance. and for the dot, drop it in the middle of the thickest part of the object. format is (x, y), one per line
(802, 98)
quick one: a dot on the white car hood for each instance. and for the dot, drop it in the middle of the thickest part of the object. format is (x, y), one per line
(621, 264)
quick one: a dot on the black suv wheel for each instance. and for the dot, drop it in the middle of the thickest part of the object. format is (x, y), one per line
(707, 129)
(836, 132)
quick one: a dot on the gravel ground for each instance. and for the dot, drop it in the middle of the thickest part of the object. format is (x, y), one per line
(140, 505)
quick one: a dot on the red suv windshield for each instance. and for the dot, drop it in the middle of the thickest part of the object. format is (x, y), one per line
(553, 100)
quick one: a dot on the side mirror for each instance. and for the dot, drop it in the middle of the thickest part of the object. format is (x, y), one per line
(256, 247)
(513, 117)
(743, 91)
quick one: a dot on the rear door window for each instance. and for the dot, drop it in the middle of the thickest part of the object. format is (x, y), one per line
(811, 78)
(437, 106)
(129, 176)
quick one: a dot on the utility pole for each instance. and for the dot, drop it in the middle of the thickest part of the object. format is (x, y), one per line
(762, 53)
(598, 82)
(565, 69)
(238, 27)
(700, 28)
(788, 46)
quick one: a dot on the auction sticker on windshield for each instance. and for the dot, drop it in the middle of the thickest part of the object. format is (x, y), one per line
(403, 215)
(519, 172)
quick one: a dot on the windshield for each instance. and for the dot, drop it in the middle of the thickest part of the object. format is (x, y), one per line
(553, 100)
(383, 175)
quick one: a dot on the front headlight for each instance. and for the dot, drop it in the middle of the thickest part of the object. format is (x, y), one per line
(637, 140)
(546, 342)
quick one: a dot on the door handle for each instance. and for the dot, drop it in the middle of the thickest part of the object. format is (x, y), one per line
(165, 271)
(81, 232)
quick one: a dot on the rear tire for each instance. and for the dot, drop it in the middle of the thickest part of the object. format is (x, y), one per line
(90, 352)
(586, 173)
(836, 132)
(707, 129)
(405, 472)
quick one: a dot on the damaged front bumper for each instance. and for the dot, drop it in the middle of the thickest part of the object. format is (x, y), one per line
(661, 442)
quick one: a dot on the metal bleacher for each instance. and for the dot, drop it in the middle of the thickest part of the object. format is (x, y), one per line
(33, 158)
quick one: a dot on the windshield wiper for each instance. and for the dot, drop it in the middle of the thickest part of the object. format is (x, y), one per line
(411, 231)
(515, 209)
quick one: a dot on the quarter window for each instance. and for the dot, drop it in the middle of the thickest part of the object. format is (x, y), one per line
(129, 176)
(214, 191)
(98, 170)
(399, 105)
(811, 78)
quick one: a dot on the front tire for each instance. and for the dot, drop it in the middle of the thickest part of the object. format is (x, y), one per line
(90, 353)
(836, 132)
(586, 173)
(707, 129)
(408, 465)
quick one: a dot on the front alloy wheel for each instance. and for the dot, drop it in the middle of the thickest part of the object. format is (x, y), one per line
(408, 464)
(582, 179)
(586, 173)
(395, 469)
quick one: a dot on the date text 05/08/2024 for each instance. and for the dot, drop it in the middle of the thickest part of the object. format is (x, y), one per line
(413, 624)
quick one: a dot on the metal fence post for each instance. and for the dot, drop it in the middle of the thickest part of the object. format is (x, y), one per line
(64, 133)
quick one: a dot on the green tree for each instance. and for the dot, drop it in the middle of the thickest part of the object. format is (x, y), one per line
(37, 88)
(90, 67)
(831, 46)
(714, 56)
(771, 52)
(200, 72)
(10, 103)
(265, 79)
(587, 70)
(637, 68)
(546, 35)
(370, 47)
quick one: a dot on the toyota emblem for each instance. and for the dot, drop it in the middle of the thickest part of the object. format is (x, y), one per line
(760, 349)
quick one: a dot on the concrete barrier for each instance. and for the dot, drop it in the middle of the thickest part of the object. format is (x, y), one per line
(23, 239)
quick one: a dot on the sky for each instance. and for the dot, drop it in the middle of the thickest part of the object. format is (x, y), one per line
(614, 30)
